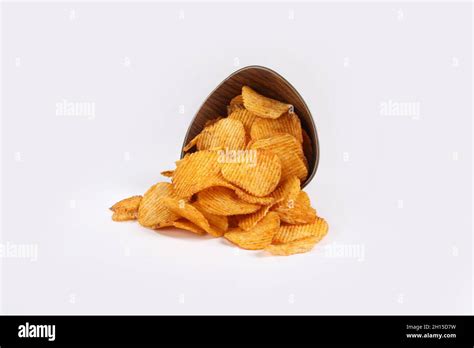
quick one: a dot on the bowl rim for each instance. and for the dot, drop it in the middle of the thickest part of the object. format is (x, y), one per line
(311, 119)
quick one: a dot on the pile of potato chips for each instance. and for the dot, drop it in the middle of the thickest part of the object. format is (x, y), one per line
(240, 179)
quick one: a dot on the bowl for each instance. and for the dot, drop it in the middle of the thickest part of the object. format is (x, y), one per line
(267, 82)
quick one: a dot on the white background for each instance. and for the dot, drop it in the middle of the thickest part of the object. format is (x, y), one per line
(397, 188)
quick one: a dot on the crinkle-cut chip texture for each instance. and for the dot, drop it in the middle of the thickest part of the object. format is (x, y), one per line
(290, 152)
(296, 247)
(263, 106)
(220, 222)
(247, 222)
(220, 200)
(265, 127)
(297, 211)
(127, 207)
(189, 212)
(152, 212)
(196, 172)
(259, 237)
(258, 177)
(188, 226)
(290, 233)
(236, 103)
(123, 215)
(246, 117)
(288, 189)
(225, 134)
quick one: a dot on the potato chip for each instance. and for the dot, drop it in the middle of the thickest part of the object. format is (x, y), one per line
(263, 106)
(259, 236)
(226, 134)
(297, 211)
(290, 152)
(188, 226)
(237, 103)
(259, 177)
(128, 205)
(196, 172)
(287, 190)
(246, 117)
(151, 212)
(289, 233)
(167, 173)
(220, 200)
(123, 215)
(296, 247)
(187, 211)
(266, 127)
(220, 222)
(247, 222)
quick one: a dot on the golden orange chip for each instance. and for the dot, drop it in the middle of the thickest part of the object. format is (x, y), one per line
(226, 134)
(246, 117)
(128, 205)
(263, 106)
(266, 127)
(196, 172)
(258, 177)
(247, 222)
(259, 236)
(237, 103)
(188, 226)
(220, 222)
(288, 189)
(151, 212)
(296, 247)
(289, 233)
(123, 215)
(297, 211)
(167, 173)
(220, 200)
(212, 121)
(307, 145)
(290, 152)
(187, 211)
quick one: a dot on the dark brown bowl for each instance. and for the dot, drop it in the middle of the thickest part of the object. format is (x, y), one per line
(266, 82)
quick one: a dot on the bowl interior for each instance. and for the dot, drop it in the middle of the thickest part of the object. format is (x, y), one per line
(266, 82)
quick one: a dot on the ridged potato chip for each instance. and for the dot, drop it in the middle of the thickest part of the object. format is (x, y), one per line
(187, 211)
(246, 117)
(152, 212)
(259, 178)
(167, 173)
(287, 190)
(126, 209)
(247, 222)
(226, 134)
(220, 200)
(259, 237)
(297, 211)
(290, 152)
(290, 233)
(188, 226)
(196, 172)
(123, 215)
(236, 103)
(266, 127)
(296, 247)
(263, 106)
(219, 222)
